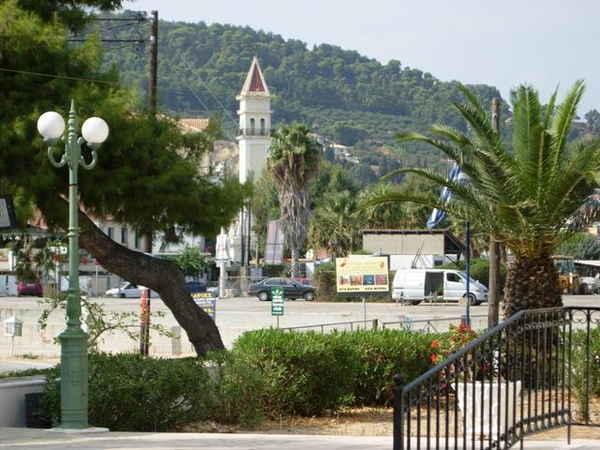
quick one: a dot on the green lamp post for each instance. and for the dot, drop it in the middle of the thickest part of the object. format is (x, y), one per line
(73, 341)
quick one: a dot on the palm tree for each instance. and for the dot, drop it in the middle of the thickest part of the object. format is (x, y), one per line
(293, 163)
(336, 224)
(528, 198)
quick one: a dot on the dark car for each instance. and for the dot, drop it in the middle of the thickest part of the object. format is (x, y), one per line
(292, 289)
(195, 286)
(30, 288)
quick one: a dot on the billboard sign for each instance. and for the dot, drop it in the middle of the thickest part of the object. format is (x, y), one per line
(362, 275)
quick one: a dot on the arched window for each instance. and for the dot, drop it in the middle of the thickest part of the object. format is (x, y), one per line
(262, 127)
(252, 126)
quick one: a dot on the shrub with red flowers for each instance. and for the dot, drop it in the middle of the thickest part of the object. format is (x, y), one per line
(452, 341)
(458, 337)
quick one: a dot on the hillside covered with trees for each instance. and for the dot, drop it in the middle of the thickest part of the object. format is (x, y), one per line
(348, 98)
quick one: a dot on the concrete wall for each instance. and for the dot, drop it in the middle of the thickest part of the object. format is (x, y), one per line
(12, 399)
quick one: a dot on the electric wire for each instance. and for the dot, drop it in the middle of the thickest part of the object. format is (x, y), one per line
(64, 77)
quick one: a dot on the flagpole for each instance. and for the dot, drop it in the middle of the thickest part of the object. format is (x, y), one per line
(468, 272)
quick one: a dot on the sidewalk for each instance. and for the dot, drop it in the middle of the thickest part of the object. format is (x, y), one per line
(95, 439)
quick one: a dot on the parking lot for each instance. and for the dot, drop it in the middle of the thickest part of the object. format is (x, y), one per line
(234, 316)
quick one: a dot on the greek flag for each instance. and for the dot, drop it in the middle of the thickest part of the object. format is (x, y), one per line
(437, 215)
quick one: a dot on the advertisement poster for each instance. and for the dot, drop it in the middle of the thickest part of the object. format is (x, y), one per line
(207, 302)
(361, 276)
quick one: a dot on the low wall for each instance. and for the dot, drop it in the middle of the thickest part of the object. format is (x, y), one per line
(12, 398)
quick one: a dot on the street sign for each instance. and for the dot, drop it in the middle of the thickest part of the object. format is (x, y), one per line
(277, 301)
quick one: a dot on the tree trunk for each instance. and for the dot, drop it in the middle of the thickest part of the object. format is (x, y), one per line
(494, 286)
(160, 275)
(295, 263)
(531, 284)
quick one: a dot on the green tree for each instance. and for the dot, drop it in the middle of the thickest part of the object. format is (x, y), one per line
(581, 246)
(336, 224)
(141, 179)
(525, 198)
(293, 164)
(192, 262)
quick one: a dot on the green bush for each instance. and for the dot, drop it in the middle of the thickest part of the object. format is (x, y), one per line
(268, 373)
(303, 374)
(133, 393)
(235, 385)
(585, 369)
(324, 279)
(381, 355)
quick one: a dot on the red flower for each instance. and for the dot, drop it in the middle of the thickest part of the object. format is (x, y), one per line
(435, 344)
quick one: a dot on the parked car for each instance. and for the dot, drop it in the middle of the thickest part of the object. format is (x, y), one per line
(30, 288)
(307, 281)
(590, 285)
(128, 290)
(292, 289)
(195, 286)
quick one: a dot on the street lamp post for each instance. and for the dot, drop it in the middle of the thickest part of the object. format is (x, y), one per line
(73, 341)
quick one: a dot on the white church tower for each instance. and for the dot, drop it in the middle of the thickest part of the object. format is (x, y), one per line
(254, 124)
(253, 142)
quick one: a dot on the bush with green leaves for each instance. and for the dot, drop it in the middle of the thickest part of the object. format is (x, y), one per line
(381, 354)
(303, 373)
(270, 373)
(134, 393)
(234, 386)
(585, 368)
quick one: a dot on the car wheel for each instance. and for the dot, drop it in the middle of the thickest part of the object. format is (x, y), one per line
(263, 296)
(123, 296)
(473, 300)
(408, 302)
(309, 296)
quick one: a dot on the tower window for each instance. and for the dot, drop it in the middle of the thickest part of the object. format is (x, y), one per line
(252, 126)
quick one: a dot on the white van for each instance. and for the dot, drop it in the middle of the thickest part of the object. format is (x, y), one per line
(412, 286)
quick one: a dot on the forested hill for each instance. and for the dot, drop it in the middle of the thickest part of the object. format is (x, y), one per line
(349, 98)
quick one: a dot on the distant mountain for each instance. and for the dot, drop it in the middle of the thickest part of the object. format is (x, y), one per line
(351, 99)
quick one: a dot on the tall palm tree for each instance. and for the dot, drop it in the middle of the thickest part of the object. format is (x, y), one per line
(527, 198)
(293, 163)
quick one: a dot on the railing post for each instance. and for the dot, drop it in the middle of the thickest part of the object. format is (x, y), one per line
(399, 404)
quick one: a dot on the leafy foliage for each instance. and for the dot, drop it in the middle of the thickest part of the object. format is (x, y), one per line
(192, 261)
(134, 393)
(303, 373)
(99, 322)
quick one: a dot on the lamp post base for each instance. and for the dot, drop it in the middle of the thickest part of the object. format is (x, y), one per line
(74, 380)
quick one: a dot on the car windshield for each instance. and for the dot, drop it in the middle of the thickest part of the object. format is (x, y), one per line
(464, 277)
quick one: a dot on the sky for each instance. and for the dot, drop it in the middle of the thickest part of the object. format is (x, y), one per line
(547, 44)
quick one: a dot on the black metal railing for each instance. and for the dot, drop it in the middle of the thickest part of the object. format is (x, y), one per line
(515, 380)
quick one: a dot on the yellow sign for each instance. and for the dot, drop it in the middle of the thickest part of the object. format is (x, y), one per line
(362, 275)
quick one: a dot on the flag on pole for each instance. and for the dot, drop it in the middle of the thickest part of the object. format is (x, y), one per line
(437, 215)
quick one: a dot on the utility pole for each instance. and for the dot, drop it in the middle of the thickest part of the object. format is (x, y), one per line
(494, 253)
(153, 62)
(145, 297)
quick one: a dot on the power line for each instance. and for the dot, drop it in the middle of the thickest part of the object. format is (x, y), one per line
(64, 77)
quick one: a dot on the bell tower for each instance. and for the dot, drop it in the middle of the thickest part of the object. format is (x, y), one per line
(253, 143)
(254, 124)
